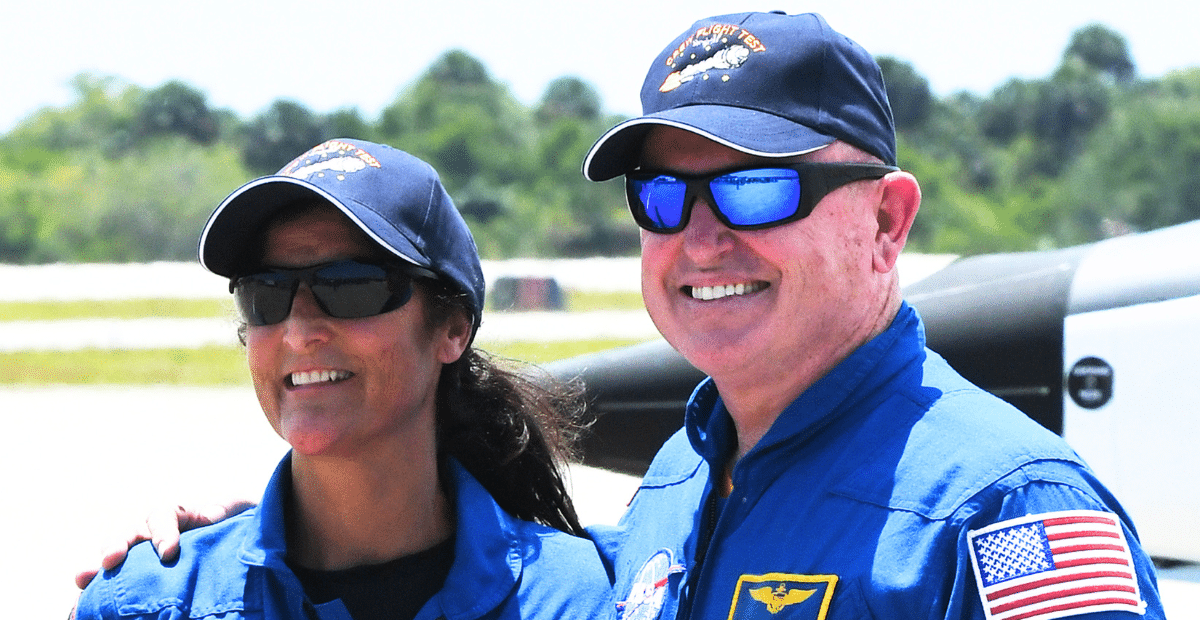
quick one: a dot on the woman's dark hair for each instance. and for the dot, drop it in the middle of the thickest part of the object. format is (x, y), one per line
(513, 427)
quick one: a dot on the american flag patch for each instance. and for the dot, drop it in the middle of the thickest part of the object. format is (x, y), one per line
(1053, 565)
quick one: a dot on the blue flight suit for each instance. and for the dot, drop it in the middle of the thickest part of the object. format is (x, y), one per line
(864, 500)
(503, 568)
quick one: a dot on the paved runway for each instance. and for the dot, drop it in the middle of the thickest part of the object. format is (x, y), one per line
(84, 464)
(157, 333)
(190, 281)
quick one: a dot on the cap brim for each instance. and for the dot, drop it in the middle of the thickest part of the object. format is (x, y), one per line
(228, 237)
(749, 131)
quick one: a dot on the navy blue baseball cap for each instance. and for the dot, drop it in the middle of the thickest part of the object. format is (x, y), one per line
(395, 198)
(767, 84)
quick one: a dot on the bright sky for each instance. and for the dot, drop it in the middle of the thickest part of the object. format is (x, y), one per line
(244, 54)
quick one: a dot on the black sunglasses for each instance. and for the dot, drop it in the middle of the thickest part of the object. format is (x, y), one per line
(743, 198)
(345, 289)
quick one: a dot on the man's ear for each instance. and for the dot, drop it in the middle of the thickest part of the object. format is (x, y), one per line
(900, 197)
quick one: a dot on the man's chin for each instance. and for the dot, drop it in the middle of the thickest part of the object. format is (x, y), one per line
(713, 354)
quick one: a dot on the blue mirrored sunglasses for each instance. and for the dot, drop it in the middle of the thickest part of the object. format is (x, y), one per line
(344, 289)
(743, 199)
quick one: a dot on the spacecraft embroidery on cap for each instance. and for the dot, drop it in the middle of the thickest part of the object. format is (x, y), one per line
(649, 589)
(333, 156)
(733, 46)
(783, 596)
(1054, 565)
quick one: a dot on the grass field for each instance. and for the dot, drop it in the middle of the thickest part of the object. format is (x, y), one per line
(217, 365)
(115, 309)
(576, 301)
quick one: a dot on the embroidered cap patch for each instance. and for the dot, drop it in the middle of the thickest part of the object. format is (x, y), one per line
(782, 597)
(1054, 565)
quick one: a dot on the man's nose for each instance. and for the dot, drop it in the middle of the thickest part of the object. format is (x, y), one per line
(705, 236)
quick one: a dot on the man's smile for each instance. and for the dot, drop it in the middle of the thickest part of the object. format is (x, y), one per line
(708, 293)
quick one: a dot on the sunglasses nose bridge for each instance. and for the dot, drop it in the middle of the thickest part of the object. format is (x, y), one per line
(306, 324)
(295, 304)
(305, 303)
(696, 190)
(700, 195)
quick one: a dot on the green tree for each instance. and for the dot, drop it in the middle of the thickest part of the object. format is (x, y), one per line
(1010, 110)
(1072, 105)
(569, 97)
(478, 137)
(148, 205)
(1139, 170)
(279, 134)
(593, 220)
(908, 92)
(1102, 50)
(952, 218)
(176, 108)
(102, 115)
(127, 173)
(31, 206)
(347, 123)
(466, 125)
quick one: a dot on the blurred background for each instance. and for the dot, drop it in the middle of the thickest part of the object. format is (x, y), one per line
(1031, 125)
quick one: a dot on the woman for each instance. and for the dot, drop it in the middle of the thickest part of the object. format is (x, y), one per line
(418, 469)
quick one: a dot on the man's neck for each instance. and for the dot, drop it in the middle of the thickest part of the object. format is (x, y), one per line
(756, 401)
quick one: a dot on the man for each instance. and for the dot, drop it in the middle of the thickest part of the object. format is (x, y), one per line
(831, 466)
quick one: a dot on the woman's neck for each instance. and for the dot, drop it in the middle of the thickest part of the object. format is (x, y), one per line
(349, 513)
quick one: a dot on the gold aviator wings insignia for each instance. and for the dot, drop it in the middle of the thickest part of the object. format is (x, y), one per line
(780, 597)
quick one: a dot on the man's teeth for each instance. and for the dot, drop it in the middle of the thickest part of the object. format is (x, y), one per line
(318, 376)
(708, 293)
